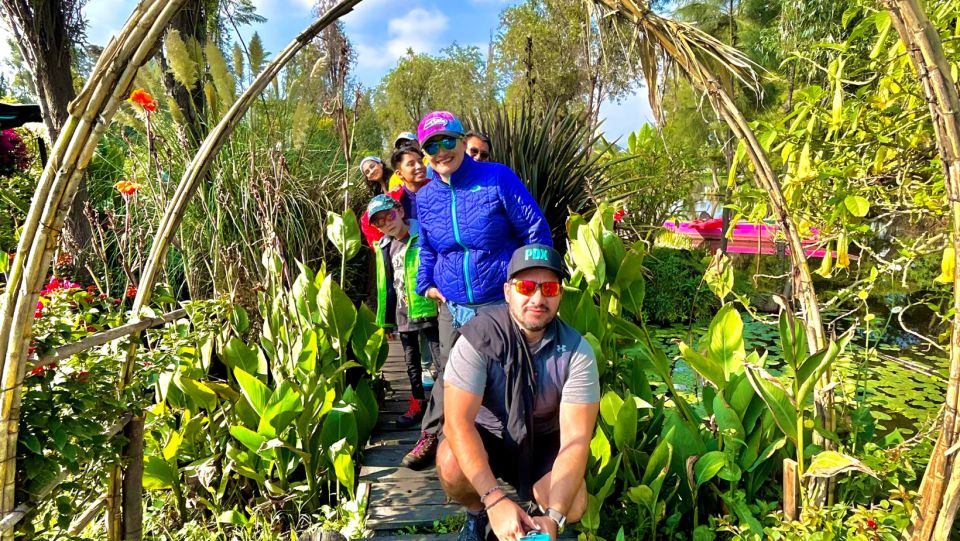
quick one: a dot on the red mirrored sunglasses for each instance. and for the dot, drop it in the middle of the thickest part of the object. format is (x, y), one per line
(528, 287)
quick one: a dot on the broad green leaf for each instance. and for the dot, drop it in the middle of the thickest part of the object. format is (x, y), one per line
(832, 463)
(625, 429)
(237, 354)
(767, 453)
(793, 340)
(344, 470)
(814, 367)
(707, 466)
(597, 353)
(173, 445)
(256, 393)
(337, 313)
(719, 276)
(339, 424)
(344, 233)
(658, 465)
(586, 319)
(725, 340)
(586, 251)
(600, 448)
(363, 330)
(202, 394)
(234, 518)
(250, 439)
(613, 253)
(707, 368)
(777, 400)
(728, 422)
(282, 408)
(158, 474)
(591, 518)
(610, 405)
(857, 205)
(239, 319)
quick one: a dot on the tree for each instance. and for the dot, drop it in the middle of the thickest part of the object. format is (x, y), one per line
(412, 89)
(46, 32)
(551, 51)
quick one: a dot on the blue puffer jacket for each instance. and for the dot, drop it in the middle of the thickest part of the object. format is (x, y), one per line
(470, 228)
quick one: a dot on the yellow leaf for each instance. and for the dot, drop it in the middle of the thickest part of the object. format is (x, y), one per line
(946, 267)
(827, 264)
(843, 258)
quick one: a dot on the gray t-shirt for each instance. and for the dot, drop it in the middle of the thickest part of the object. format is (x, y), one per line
(566, 371)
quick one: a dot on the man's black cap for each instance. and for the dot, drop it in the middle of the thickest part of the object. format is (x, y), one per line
(535, 256)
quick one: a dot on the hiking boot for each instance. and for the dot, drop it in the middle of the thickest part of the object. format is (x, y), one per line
(413, 415)
(423, 452)
(474, 527)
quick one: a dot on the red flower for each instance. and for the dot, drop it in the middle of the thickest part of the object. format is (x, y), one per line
(41, 369)
(38, 312)
(30, 350)
(115, 302)
(82, 376)
(131, 292)
(618, 215)
(143, 98)
(91, 328)
(126, 187)
(872, 524)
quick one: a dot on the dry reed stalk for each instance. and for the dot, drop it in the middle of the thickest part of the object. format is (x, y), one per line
(939, 496)
(173, 215)
(90, 114)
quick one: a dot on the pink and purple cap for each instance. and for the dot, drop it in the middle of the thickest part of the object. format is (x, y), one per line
(438, 123)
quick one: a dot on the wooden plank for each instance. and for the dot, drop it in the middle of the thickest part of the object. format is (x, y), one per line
(394, 437)
(790, 489)
(377, 474)
(389, 495)
(396, 518)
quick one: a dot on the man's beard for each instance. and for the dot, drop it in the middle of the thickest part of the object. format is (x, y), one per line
(536, 326)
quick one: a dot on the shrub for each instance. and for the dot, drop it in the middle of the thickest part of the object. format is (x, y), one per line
(673, 281)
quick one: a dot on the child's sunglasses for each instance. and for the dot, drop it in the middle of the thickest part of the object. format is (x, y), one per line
(383, 217)
(447, 143)
(528, 287)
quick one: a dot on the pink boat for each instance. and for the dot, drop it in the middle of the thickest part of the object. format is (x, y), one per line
(746, 238)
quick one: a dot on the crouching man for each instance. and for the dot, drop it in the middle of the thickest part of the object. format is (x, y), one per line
(522, 394)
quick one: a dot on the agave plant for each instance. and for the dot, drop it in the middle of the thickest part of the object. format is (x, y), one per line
(552, 152)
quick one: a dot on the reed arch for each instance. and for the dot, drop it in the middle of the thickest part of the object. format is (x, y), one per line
(90, 114)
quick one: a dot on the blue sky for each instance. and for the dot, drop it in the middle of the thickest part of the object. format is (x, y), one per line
(381, 31)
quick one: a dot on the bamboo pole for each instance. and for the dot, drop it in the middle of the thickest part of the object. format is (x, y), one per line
(90, 114)
(173, 215)
(938, 500)
(68, 350)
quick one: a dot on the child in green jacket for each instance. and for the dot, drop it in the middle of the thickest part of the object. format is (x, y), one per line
(398, 257)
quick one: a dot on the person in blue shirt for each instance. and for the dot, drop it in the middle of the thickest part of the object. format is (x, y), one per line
(471, 218)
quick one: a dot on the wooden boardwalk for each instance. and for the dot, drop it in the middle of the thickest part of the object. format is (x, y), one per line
(400, 498)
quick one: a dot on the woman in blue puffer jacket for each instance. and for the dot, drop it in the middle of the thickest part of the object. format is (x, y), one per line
(472, 218)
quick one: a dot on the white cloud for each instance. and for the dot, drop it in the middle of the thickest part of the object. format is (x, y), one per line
(419, 29)
(368, 12)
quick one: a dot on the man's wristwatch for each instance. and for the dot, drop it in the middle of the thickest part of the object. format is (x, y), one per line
(557, 517)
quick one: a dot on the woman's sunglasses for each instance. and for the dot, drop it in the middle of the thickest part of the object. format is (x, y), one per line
(383, 217)
(477, 153)
(528, 287)
(447, 143)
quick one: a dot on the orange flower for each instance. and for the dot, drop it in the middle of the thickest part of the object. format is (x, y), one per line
(143, 98)
(126, 187)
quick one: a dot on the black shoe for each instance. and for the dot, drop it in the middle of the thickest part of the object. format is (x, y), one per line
(423, 452)
(475, 527)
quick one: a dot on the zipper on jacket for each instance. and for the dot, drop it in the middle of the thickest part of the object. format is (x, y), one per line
(456, 237)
